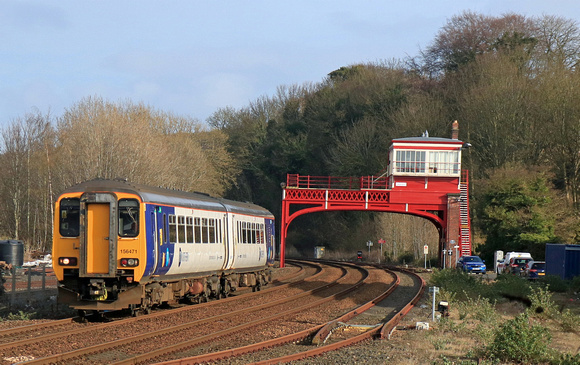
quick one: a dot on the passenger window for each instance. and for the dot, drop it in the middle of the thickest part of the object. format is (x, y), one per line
(189, 230)
(128, 218)
(181, 229)
(211, 230)
(69, 224)
(205, 230)
(172, 229)
(197, 229)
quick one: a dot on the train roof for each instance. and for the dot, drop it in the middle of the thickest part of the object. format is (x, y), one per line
(163, 196)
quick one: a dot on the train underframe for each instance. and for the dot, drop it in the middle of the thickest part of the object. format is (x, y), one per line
(99, 295)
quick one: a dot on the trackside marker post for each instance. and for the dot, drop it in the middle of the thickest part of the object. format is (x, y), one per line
(433, 290)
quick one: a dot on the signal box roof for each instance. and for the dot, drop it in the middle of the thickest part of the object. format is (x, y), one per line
(426, 140)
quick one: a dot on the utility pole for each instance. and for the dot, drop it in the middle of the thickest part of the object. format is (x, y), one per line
(381, 241)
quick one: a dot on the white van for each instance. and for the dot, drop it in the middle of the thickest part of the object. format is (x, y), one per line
(502, 267)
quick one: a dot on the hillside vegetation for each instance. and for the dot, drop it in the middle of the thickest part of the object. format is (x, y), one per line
(512, 82)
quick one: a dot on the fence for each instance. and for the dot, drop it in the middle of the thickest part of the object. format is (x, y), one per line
(29, 290)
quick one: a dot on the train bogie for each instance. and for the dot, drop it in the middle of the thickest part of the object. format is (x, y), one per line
(119, 245)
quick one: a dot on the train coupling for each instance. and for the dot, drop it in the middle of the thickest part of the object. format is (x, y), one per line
(97, 289)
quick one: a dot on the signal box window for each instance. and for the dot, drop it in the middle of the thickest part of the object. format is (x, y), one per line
(411, 161)
(69, 225)
(128, 218)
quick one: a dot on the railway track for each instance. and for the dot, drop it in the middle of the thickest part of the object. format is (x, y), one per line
(67, 345)
(374, 319)
(30, 334)
(308, 304)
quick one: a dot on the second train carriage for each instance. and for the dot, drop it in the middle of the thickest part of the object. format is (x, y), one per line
(120, 245)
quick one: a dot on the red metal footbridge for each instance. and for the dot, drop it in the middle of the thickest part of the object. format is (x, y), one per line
(423, 178)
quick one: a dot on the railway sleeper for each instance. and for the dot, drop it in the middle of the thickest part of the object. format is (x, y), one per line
(100, 295)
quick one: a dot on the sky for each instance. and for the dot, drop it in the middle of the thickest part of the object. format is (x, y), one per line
(190, 58)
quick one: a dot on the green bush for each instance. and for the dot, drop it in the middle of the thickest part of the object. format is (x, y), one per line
(566, 359)
(542, 304)
(575, 284)
(520, 341)
(569, 321)
(482, 310)
(407, 258)
(463, 285)
(511, 286)
(23, 316)
(556, 283)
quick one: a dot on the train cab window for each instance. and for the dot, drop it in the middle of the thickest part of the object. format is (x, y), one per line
(69, 225)
(128, 218)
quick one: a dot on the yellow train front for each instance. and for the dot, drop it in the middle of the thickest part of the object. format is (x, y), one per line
(119, 245)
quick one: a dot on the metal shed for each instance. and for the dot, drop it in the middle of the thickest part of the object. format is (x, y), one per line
(563, 260)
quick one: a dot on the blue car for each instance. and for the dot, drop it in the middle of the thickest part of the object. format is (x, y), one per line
(535, 269)
(471, 264)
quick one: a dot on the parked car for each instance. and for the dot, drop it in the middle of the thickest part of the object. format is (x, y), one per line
(503, 266)
(471, 264)
(518, 264)
(535, 269)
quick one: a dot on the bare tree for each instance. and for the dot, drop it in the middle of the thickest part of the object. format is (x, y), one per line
(26, 144)
(468, 35)
(558, 41)
(99, 139)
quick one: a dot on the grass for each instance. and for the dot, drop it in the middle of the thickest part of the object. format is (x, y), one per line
(506, 321)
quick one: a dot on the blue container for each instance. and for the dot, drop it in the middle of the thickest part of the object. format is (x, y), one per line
(563, 260)
(12, 251)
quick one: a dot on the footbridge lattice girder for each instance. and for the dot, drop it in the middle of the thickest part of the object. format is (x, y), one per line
(447, 210)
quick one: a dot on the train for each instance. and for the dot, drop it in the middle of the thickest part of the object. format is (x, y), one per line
(118, 245)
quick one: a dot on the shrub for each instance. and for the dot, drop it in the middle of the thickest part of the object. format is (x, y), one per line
(460, 283)
(575, 284)
(542, 304)
(482, 310)
(566, 359)
(407, 258)
(519, 341)
(512, 286)
(556, 283)
(23, 316)
(569, 321)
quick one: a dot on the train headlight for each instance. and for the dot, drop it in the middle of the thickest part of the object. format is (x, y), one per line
(129, 262)
(67, 261)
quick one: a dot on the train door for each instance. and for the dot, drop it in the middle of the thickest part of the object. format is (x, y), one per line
(228, 240)
(152, 242)
(163, 246)
(98, 235)
(270, 241)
